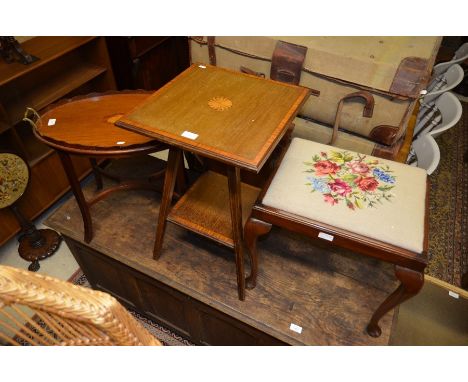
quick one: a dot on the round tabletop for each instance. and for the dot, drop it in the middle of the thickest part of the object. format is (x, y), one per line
(85, 124)
(14, 177)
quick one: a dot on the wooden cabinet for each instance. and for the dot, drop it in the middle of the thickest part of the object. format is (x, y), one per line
(67, 66)
(147, 62)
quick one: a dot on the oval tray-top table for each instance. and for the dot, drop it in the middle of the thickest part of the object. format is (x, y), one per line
(84, 126)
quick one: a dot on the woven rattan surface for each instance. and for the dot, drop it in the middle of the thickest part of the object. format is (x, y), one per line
(41, 310)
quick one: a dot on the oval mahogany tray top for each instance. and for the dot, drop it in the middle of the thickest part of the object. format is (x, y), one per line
(85, 124)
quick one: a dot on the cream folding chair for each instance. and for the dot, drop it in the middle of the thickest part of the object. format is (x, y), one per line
(460, 55)
(444, 114)
(443, 82)
(427, 153)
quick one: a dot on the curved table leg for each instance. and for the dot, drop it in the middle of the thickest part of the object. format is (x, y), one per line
(411, 283)
(252, 230)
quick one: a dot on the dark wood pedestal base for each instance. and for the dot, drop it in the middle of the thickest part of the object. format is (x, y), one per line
(34, 250)
(191, 288)
(35, 244)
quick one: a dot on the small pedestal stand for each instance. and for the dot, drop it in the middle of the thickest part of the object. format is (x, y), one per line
(34, 244)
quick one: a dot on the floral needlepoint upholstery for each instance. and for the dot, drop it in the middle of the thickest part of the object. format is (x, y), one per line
(356, 180)
(370, 196)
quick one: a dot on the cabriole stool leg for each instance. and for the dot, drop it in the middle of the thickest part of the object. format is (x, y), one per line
(411, 283)
(252, 230)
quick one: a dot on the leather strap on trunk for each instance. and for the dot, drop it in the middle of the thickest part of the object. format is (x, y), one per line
(367, 112)
(287, 62)
(243, 69)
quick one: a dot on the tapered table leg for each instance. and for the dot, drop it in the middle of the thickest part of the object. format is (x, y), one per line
(181, 180)
(236, 217)
(80, 199)
(172, 170)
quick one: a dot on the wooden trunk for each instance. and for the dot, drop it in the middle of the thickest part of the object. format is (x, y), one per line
(191, 289)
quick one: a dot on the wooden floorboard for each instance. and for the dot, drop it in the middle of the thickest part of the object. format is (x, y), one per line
(331, 295)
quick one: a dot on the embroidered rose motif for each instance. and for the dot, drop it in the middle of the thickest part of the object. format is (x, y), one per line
(325, 167)
(340, 187)
(358, 168)
(350, 179)
(367, 184)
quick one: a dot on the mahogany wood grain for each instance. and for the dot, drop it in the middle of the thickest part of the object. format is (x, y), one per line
(205, 208)
(243, 135)
(84, 125)
(329, 292)
(88, 122)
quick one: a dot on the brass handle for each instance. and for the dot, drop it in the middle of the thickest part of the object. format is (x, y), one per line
(35, 114)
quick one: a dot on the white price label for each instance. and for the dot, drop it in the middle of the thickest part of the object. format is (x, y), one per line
(453, 294)
(51, 122)
(325, 236)
(295, 328)
(189, 135)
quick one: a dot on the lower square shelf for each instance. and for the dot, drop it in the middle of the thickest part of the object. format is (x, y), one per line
(204, 208)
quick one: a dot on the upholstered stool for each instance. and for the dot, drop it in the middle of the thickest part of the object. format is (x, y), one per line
(366, 204)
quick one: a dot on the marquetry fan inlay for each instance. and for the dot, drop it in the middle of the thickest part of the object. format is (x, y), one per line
(220, 103)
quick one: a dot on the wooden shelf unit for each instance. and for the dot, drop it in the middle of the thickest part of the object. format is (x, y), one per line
(53, 89)
(204, 208)
(67, 66)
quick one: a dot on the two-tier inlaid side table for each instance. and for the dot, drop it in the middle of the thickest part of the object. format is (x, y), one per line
(233, 118)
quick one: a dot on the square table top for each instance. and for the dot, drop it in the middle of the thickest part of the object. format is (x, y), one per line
(218, 113)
